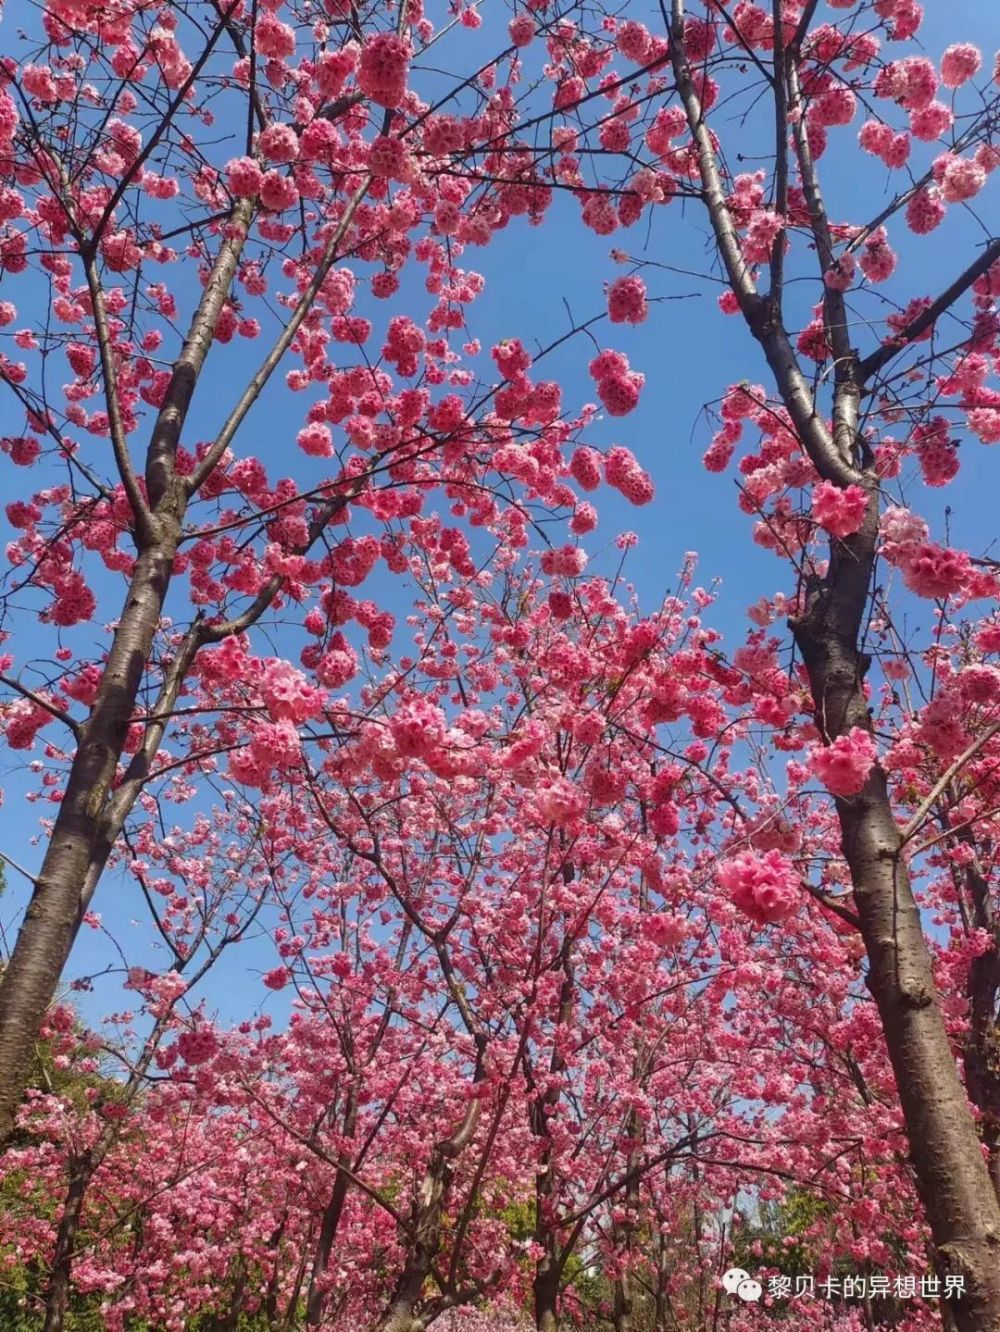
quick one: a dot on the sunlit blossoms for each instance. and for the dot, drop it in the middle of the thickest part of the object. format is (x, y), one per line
(429, 902)
(763, 885)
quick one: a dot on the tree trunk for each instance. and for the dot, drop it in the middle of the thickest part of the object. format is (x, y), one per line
(425, 1235)
(316, 1298)
(546, 1293)
(229, 1321)
(625, 1284)
(83, 834)
(548, 1272)
(401, 1315)
(623, 1304)
(290, 1319)
(951, 1176)
(982, 1051)
(57, 1297)
(660, 1298)
(77, 849)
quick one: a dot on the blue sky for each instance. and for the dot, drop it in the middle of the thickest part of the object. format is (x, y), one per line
(688, 352)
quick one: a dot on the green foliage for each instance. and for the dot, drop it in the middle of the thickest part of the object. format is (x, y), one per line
(776, 1224)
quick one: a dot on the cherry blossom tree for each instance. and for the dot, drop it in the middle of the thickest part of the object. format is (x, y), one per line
(838, 425)
(177, 181)
(530, 874)
(485, 1023)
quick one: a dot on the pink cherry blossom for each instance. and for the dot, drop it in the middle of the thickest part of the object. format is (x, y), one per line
(960, 62)
(763, 885)
(840, 510)
(843, 765)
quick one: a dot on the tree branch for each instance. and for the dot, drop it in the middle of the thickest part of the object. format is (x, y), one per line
(39, 702)
(119, 442)
(873, 363)
(270, 363)
(942, 783)
(769, 332)
(188, 366)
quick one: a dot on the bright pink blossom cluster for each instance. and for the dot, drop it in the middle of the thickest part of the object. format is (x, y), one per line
(960, 62)
(383, 68)
(618, 386)
(287, 694)
(843, 765)
(839, 509)
(418, 728)
(627, 300)
(622, 471)
(763, 885)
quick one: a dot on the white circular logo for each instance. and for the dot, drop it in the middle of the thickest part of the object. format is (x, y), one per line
(740, 1283)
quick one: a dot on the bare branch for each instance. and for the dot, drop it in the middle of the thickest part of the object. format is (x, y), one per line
(770, 333)
(15, 866)
(172, 415)
(119, 441)
(873, 363)
(952, 771)
(270, 363)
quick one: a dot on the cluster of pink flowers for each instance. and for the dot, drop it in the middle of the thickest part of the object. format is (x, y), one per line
(934, 571)
(568, 561)
(928, 570)
(985, 423)
(634, 41)
(840, 275)
(925, 211)
(198, 1045)
(669, 123)
(287, 694)
(622, 471)
(383, 69)
(931, 122)
(877, 259)
(764, 227)
(959, 64)
(891, 146)
(664, 929)
(21, 722)
(901, 320)
(844, 764)
(936, 451)
(839, 510)
(585, 468)
(389, 159)
(338, 664)
(418, 728)
(763, 885)
(74, 601)
(558, 801)
(243, 177)
(37, 81)
(316, 440)
(584, 519)
(279, 143)
(276, 745)
(912, 82)
(278, 192)
(980, 685)
(837, 106)
(959, 178)
(627, 301)
(522, 30)
(618, 386)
